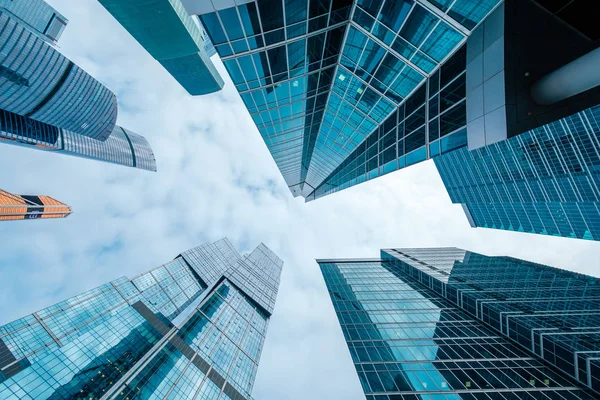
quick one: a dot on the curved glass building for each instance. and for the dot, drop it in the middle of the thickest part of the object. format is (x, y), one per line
(38, 82)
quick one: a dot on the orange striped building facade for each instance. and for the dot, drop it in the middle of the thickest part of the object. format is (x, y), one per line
(16, 207)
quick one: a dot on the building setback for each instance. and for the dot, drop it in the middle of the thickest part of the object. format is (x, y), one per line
(543, 181)
(192, 328)
(343, 92)
(446, 323)
(17, 207)
(50, 103)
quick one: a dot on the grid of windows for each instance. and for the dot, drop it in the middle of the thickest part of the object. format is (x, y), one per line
(542, 181)
(172, 37)
(122, 147)
(320, 77)
(408, 341)
(553, 313)
(37, 81)
(120, 339)
(431, 122)
(19, 207)
(38, 15)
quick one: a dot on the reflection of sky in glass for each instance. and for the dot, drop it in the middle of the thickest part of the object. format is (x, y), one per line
(421, 375)
(423, 259)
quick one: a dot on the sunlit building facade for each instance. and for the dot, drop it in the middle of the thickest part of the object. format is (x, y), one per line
(446, 323)
(341, 90)
(15, 207)
(48, 102)
(192, 328)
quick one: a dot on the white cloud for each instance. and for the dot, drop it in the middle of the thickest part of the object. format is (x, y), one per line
(216, 178)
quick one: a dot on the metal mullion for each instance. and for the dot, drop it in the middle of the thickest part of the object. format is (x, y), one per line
(343, 43)
(388, 49)
(580, 159)
(530, 161)
(444, 16)
(176, 382)
(139, 366)
(284, 42)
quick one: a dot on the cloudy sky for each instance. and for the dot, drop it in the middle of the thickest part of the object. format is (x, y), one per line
(216, 178)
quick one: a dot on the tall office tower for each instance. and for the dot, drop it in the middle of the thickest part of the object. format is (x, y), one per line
(48, 102)
(190, 329)
(122, 147)
(38, 82)
(542, 181)
(346, 91)
(446, 323)
(173, 38)
(17, 207)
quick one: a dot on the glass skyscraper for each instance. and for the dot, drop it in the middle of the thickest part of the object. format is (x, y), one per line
(192, 328)
(543, 181)
(446, 323)
(48, 102)
(17, 207)
(173, 38)
(345, 91)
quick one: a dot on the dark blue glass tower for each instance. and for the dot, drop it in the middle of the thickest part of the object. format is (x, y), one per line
(190, 329)
(49, 103)
(446, 323)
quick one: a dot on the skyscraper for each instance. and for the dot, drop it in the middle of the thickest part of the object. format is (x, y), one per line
(17, 207)
(446, 323)
(543, 181)
(190, 329)
(48, 102)
(346, 91)
(122, 147)
(173, 38)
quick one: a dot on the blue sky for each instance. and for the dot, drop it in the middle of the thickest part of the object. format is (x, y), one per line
(216, 178)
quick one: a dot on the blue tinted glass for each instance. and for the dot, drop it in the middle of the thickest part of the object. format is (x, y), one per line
(231, 23)
(271, 14)
(394, 13)
(370, 6)
(295, 11)
(213, 26)
(418, 26)
(441, 42)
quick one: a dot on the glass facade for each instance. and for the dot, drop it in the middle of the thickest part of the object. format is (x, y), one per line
(183, 330)
(329, 82)
(542, 181)
(18, 207)
(122, 147)
(173, 38)
(446, 323)
(38, 82)
(39, 16)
